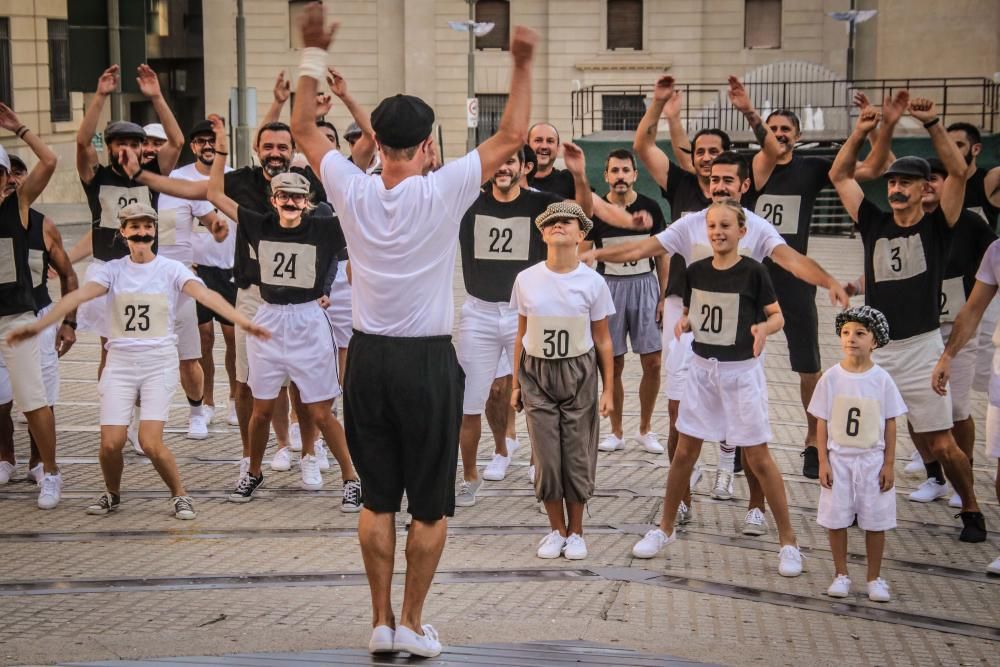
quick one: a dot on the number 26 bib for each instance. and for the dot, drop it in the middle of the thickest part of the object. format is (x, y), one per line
(549, 337)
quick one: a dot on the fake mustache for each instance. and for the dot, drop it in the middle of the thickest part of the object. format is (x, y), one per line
(141, 238)
(899, 198)
(291, 208)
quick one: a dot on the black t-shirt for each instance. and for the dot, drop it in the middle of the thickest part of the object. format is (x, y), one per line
(108, 193)
(38, 259)
(248, 187)
(604, 235)
(904, 267)
(15, 275)
(789, 196)
(684, 195)
(723, 305)
(559, 181)
(294, 261)
(970, 237)
(977, 200)
(499, 240)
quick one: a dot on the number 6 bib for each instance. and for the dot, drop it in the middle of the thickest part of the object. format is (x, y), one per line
(138, 315)
(556, 337)
(714, 316)
(855, 422)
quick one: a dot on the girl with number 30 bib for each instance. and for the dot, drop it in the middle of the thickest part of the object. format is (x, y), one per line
(142, 364)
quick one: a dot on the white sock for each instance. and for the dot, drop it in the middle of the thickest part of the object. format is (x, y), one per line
(727, 458)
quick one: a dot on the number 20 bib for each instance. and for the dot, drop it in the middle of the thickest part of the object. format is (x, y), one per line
(714, 316)
(855, 422)
(548, 337)
(137, 315)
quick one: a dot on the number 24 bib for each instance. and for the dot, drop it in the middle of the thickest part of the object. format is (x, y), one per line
(287, 264)
(549, 337)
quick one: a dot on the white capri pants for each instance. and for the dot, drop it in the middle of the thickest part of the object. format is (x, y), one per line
(910, 362)
(150, 376)
(186, 328)
(963, 373)
(340, 307)
(22, 377)
(92, 316)
(676, 352)
(987, 331)
(485, 332)
(856, 492)
(993, 410)
(50, 358)
(725, 401)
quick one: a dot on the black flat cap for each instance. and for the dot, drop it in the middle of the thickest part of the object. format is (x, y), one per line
(402, 121)
(911, 165)
(123, 129)
(201, 127)
(937, 167)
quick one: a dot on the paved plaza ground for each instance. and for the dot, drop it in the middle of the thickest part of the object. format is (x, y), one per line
(284, 573)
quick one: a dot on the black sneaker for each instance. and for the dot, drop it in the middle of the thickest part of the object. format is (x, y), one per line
(810, 463)
(352, 497)
(973, 528)
(738, 462)
(106, 503)
(246, 488)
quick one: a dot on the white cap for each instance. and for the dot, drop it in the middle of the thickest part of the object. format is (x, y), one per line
(155, 131)
(4, 159)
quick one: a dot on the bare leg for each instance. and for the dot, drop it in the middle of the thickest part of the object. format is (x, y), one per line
(192, 379)
(279, 418)
(151, 436)
(649, 388)
(756, 491)
(307, 426)
(377, 535)
(672, 437)
(6, 434)
(557, 515)
(42, 425)
(618, 394)
(229, 336)
(679, 479)
(259, 430)
(424, 545)
(758, 460)
(469, 444)
(207, 333)
(341, 362)
(110, 456)
(874, 546)
(838, 547)
(807, 385)
(104, 357)
(497, 409)
(319, 414)
(964, 433)
(574, 512)
(244, 410)
(956, 466)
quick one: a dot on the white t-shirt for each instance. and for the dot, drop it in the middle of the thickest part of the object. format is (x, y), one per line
(560, 308)
(989, 273)
(855, 407)
(688, 237)
(141, 301)
(180, 234)
(402, 242)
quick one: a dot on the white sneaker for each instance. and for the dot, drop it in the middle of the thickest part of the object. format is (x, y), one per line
(496, 469)
(6, 470)
(789, 561)
(382, 639)
(408, 641)
(684, 514)
(244, 468)
(955, 501)
(208, 413)
(723, 489)
(840, 588)
(930, 491)
(282, 460)
(513, 444)
(36, 474)
(754, 523)
(551, 545)
(466, 496)
(611, 443)
(878, 590)
(231, 417)
(321, 455)
(695, 476)
(295, 437)
(132, 434)
(51, 491)
(916, 464)
(994, 567)
(649, 442)
(312, 479)
(531, 474)
(652, 543)
(576, 548)
(197, 426)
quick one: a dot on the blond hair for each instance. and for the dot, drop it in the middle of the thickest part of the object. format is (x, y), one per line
(729, 205)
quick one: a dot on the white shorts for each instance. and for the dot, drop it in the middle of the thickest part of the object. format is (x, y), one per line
(485, 332)
(340, 307)
(50, 358)
(92, 315)
(856, 492)
(725, 401)
(910, 362)
(963, 372)
(984, 362)
(503, 366)
(676, 353)
(247, 302)
(148, 376)
(301, 349)
(186, 328)
(23, 363)
(993, 431)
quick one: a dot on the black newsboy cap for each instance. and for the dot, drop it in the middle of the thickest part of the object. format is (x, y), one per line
(201, 127)
(402, 121)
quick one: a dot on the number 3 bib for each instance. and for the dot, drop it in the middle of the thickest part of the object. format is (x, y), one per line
(855, 422)
(137, 315)
(549, 337)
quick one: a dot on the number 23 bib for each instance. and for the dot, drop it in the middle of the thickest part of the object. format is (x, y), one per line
(138, 315)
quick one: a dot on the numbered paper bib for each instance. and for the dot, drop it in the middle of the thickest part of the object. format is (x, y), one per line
(782, 211)
(167, 227)
(714, 316)
(8, 271)
(35, 260)
(502, 238)
(628, 268)
(855, 422)
(557, 337)
(952, 298)
(899, 258)
(114, 198)
(137, 315)
(287, 264)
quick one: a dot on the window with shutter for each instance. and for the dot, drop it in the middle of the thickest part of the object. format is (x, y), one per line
(6, 69)
(762, 24)
(59, 70)
(624, 23)
(496, 12)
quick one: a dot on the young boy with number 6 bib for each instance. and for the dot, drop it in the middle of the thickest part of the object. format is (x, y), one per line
(856, 404)
(562, 343)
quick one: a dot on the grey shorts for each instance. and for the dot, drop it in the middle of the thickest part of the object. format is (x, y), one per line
(560, 407)
(636, 298)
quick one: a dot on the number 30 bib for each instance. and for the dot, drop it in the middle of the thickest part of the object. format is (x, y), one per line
(137, 315)
(556, 337)
(855, 422)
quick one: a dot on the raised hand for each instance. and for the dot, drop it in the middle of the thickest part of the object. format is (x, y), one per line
(324, 102)
(107, 83)
(149, 83)
(738, 96)
(337, 83)
(8, 119)
(522, 44)
(663, 89)
(861, 100)
(923, 109)
(282, 88)
(894, 107)
(642, 220)
(315, 32)
(219, 127)
(574, 158)
(129, 160)
(868, 120)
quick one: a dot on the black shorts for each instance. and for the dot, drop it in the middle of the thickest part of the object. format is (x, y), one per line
(217, 280)
(403, 414)
(798, 306)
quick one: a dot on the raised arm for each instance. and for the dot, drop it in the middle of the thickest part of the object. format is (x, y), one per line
(68, 282)
(842, 171)
(40, 174)
(316, 37)
(576, 164)
(217, 174)
(879, 157)
(627, 252)
(149, 85)
(806, 269)
(86, 155)
(282, 91)
(364, 148)
(513, 130)
(181, 188)
(652, 157)
(770, 149)
(953, 190)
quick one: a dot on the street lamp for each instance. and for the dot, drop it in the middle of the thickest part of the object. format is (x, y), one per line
(852, 18)
(471, 103)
